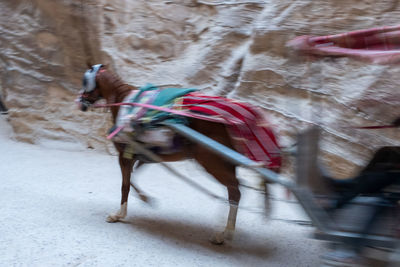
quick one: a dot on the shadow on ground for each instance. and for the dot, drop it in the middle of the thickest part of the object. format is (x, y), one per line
(192, 236)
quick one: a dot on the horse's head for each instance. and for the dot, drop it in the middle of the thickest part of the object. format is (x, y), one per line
(90, 92)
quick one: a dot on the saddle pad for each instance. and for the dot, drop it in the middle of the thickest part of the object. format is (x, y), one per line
(150, 94)
(250, 132)
(137, 121)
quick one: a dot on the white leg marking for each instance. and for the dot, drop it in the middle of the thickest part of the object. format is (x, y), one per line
(230, 226)
(220, 237)
(114, 217)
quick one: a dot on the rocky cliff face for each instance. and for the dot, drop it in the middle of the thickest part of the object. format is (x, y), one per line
(231, 48)
(43, 51)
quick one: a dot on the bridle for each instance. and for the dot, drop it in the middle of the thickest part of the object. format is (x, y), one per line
(84, 102)
(89, 93)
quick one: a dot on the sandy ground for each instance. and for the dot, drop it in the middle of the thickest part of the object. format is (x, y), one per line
(54, 204)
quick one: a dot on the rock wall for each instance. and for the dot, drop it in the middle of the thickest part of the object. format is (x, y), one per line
(230, 48)
(43, 52)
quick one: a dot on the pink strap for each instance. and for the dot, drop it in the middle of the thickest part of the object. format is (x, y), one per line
(173, 111)
(115, 132)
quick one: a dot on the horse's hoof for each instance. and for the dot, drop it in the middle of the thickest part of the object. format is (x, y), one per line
(151, 201)
(148, 200)
(218, 239)
(228, 235)
(112, 218)
(144, 198)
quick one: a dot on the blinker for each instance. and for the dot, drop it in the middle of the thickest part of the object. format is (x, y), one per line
(89, 78)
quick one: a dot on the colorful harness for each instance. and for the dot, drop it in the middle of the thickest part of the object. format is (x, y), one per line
(251, 134)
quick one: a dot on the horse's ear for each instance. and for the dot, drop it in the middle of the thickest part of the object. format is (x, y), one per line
(88, 64)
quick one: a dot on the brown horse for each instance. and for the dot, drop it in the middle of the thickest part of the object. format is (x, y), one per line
(98, 82)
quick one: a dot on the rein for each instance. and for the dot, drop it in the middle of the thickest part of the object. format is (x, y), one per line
(169, 110)
(213, 119)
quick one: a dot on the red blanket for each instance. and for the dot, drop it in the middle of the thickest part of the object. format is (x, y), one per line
(250, 132)
(377, 45)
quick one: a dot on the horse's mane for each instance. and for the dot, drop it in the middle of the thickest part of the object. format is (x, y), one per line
(119, 87)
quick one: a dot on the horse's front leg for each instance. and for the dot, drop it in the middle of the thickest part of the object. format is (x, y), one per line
(126, 169)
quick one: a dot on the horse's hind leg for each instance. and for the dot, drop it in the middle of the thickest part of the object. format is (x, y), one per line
(234, 197)
(126, 169)
(225, 173)
(143, 197)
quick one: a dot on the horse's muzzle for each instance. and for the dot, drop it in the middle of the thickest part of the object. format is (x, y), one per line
(83, 105)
